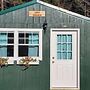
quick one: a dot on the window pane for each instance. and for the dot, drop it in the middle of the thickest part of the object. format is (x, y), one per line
(28, 51)
(10, 51)
(10, 41)
(35, 38)
(61, 55)
(59, 47)
(21, 35)
(11, 35)
(3, 34)
(3, 42)
(35, 41)
(63, 38)
(58, 38)
(64, 55)
(69, 47)
(30, 42)
(58, 55)
(30, 38)
(65, 47)
(62, 47)
(33, 51)
(69, 38)
(23, 51)
(10, 38)
(21, 41)
(3, 51)
(3, 38)
(27, 41)
(6, 51)
(69, 55)
(27, 35)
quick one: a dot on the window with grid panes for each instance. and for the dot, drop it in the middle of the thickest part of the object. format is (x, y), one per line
(19, 43)
(6, 44)
(28, 44)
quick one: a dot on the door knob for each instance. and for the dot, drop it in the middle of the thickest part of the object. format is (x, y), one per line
(53, 61)
(52, 57)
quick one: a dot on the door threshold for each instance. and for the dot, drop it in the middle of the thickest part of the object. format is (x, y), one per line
(65, 89)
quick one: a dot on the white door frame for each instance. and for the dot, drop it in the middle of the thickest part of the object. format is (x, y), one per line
(78, 51)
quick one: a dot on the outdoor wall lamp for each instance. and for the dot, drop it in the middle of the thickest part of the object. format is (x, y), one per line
(45, 25)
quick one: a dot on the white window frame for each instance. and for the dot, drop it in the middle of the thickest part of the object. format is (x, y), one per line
(16, 31)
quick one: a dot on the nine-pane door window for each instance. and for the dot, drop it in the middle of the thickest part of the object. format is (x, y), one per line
(64, 46)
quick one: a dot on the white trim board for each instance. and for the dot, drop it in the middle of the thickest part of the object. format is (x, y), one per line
(63, 10)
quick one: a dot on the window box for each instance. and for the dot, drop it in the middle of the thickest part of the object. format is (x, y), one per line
(3, 62)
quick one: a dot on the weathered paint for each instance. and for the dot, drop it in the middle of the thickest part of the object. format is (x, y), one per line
(38, 77)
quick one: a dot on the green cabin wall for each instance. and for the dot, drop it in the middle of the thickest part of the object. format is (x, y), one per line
(38, 77)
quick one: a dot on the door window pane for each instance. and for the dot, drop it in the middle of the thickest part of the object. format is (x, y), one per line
(69, 55)
(69, 38)
(58, 55)
(59, 38)
(69, 45)
(64, 55)
(59, 47)
(63, 38)
(64, 46)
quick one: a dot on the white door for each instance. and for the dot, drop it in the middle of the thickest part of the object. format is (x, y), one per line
(64, 63)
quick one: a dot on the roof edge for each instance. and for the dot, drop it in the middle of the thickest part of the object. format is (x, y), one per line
(18, 7)
(43, 3)
(63, 10)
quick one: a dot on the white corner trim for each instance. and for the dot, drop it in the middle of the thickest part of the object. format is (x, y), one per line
(63, 10)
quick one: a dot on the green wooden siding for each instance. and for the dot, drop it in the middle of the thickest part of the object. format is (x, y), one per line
(38, 77)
